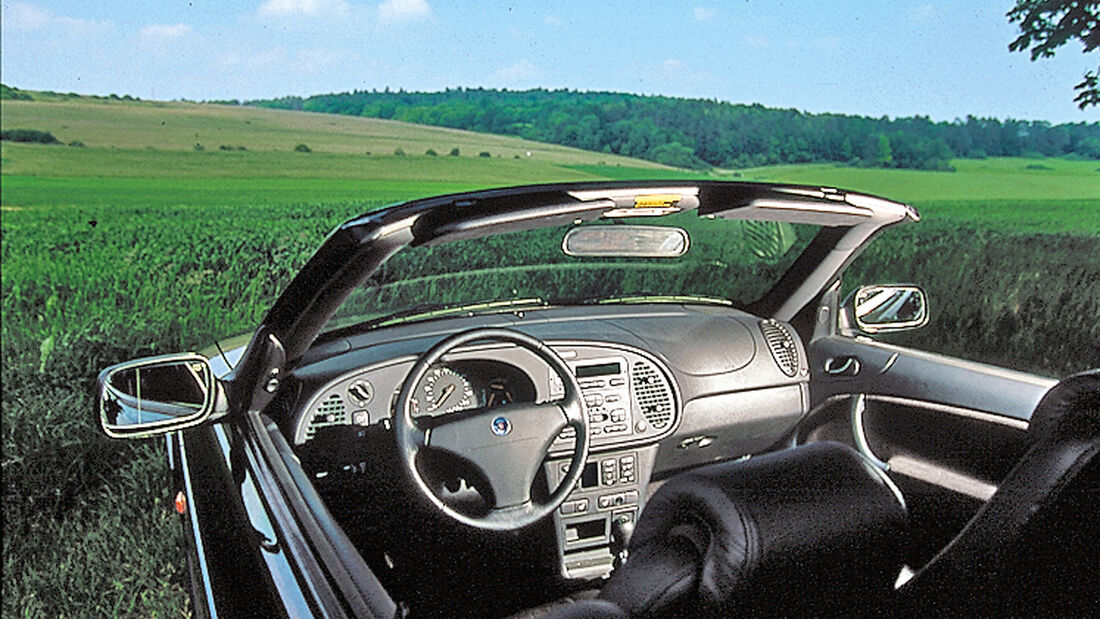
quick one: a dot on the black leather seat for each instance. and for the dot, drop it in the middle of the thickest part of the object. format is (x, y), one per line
(815, 529)
(1034, 547)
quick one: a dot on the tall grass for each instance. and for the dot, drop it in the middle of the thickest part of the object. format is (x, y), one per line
(87, 529)
(1030, 302)
(86, 521)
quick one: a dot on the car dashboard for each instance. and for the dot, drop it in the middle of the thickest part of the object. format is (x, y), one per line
(665, 387)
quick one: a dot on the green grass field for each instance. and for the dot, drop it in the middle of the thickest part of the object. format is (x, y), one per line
(139, 244)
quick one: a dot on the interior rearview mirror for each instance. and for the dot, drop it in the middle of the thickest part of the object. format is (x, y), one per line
(156, 395)
(626, 241)
(883, 308)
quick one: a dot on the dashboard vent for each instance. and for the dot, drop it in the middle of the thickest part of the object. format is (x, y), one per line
(652, 393)
(781, 344)
(330, 412)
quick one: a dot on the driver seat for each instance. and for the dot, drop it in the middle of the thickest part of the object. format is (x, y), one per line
(816, 529)
(1032, 548)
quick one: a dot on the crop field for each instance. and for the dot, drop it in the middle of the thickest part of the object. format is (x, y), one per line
(139, 244)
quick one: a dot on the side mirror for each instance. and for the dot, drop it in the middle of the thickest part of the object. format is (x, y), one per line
(156, 395)
(884, 308)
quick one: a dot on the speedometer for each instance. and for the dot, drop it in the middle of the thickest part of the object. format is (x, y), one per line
(443, 390)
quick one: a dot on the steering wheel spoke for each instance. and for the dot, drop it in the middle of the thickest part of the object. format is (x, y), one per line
(507, 444)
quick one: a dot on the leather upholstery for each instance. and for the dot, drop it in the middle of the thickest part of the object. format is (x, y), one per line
(812, 529)
(1033, 548)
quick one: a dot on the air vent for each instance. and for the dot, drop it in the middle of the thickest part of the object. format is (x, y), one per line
(652, 393)
(781, 342)
(330, 412)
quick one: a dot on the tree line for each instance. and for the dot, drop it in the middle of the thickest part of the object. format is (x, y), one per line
(703, 133)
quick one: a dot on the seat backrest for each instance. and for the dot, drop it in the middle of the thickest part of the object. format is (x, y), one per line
(1034, 547)
(810, 530)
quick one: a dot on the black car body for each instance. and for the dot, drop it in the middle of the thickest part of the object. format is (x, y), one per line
(298, 471)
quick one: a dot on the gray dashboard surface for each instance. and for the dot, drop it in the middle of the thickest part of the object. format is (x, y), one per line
(707, 351)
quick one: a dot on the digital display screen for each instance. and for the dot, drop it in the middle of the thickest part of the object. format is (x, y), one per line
(590, 478)
(603, 369)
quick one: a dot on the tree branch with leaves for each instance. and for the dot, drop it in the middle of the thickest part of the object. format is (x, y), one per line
(1046, 25)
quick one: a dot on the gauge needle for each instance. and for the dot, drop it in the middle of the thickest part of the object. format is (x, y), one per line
(447, 391)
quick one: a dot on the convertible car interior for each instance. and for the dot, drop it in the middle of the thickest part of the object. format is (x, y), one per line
(653, 399)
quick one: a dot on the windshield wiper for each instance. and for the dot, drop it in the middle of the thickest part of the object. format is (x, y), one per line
(662, 298)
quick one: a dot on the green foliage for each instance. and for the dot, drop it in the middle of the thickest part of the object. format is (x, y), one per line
(431, 152)
(1027, 302)
(189, 246)
(13, 94)
(454, 152)
(199, 146)
(677, 155)
(302, 148)
(32, 136)
(717, 134)
(231, 148)
(87, 520)
(399, 152)
(77, 144)
(1046, 25)
(484, 153)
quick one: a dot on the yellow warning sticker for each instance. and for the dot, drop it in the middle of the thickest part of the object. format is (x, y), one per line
(661, 200)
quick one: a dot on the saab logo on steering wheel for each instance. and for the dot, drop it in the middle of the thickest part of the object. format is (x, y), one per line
(501, 426)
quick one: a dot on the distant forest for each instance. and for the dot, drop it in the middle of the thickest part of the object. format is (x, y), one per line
(698, 133)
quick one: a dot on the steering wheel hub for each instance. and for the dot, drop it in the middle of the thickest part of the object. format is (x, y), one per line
(507, 444)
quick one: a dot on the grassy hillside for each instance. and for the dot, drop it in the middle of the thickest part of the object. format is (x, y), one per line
(1041, 195)
(118, 250)
(179, 126)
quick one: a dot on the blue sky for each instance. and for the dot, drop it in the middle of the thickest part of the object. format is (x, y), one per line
(894, 58)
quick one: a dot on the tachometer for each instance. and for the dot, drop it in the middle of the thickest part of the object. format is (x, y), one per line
(443, 391)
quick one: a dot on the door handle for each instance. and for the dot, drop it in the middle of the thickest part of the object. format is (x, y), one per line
(842, 366)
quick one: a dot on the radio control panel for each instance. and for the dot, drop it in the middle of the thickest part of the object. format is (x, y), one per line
(626, 397)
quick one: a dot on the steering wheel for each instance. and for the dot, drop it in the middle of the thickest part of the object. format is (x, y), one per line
(507, 444)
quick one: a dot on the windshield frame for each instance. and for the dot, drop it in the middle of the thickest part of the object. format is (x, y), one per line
(358, 247)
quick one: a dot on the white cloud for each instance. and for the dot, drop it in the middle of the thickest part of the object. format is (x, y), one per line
(22, 16)
(522, 71)
(550, 20)
(756, 41)
(404, 10)
(161, 33)
(312, 8)
(703, 14)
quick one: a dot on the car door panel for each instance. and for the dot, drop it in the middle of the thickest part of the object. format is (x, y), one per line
(947, 430)
(903, 372)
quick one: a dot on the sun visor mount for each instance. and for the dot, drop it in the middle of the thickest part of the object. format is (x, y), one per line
(539, 216)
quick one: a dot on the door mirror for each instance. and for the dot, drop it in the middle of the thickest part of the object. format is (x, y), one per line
(156, 395)
(893, 307)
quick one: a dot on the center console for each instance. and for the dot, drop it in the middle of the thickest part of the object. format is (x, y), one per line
(630, 403)
(612, 488)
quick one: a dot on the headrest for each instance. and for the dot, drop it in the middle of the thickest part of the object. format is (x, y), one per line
(805, 530)
(1071, 409)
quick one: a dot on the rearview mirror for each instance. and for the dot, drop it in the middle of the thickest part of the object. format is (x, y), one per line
(156, 395)
(894, 307)
(626, 241)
